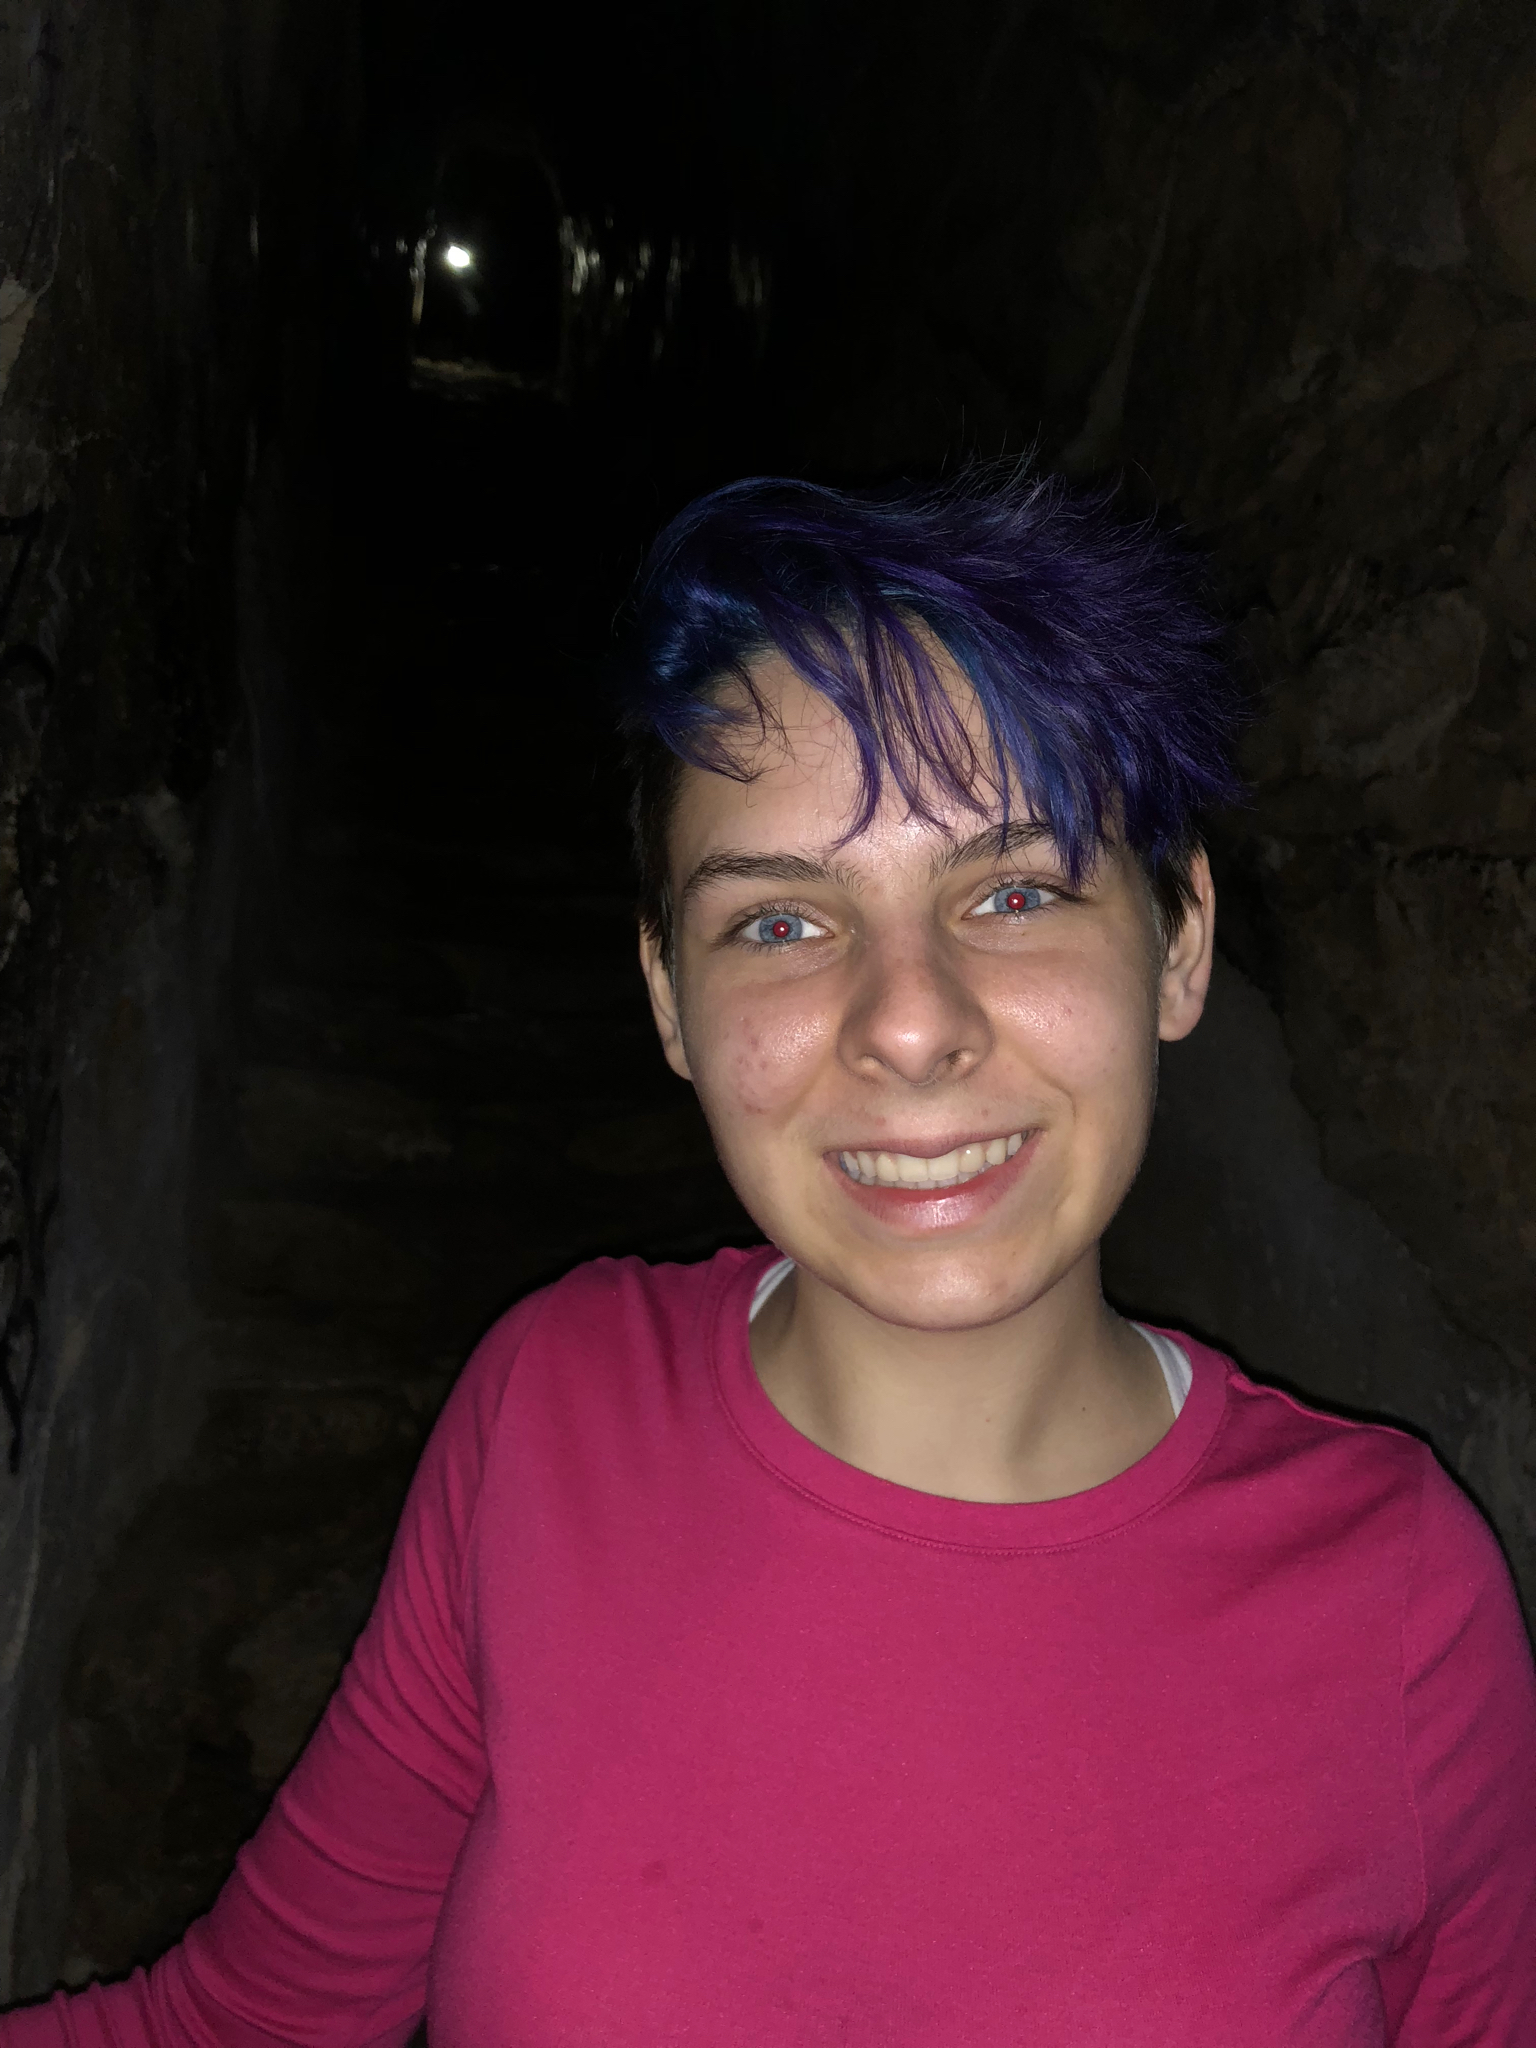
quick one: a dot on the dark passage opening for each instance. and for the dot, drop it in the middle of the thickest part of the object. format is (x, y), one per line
(491, 270)
(446, 1088)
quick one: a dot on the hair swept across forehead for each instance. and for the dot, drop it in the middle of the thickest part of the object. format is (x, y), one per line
(1098, 669)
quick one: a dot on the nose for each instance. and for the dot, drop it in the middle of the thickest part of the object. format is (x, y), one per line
(913, 1015)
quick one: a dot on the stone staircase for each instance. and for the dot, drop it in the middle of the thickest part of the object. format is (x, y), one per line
(449, 1092)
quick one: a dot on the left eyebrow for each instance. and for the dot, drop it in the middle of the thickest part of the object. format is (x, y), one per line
(1019, 835)
(766, 867)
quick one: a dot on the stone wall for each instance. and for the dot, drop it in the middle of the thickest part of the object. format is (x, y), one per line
(164, 168)
(1276, 268)
(1335, 379)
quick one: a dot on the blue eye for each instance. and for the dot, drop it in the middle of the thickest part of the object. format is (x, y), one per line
(781, 929)
(1014, 900)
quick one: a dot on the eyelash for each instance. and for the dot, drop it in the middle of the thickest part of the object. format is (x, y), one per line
(739, 932)
(1006, 885)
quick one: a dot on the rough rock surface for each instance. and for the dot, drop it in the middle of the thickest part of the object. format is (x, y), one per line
(1276, 269)
(153, 367)
(447, 1090)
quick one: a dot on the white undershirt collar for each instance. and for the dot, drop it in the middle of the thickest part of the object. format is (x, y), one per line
(1177, 1371)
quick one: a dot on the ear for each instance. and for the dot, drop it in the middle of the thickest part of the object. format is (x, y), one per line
(658, 981)
(1186, 972)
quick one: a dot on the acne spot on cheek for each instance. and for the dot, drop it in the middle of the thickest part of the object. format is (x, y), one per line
(766, 1068)
(757, 1083)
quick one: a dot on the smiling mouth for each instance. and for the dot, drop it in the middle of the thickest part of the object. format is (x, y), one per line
(949, 1170)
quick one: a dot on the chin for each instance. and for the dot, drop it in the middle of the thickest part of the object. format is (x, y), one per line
(938, 1293)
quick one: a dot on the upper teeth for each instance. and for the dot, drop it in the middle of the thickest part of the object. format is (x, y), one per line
(904, 1169)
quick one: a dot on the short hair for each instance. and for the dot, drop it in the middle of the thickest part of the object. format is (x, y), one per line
(1099, 667)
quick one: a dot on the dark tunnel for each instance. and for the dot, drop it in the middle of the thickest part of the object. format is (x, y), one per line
(349, 360)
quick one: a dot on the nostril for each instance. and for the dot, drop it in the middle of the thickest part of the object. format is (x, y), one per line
(914, 1018)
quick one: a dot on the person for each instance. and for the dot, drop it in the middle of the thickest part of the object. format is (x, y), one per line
(873, 1639)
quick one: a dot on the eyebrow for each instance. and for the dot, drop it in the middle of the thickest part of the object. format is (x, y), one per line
(766, 867)
(996, 842)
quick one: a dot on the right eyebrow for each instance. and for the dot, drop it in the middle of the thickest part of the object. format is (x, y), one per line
(996, 842)
(764, 867)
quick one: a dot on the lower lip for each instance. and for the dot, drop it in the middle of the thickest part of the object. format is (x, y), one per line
(918, 1211)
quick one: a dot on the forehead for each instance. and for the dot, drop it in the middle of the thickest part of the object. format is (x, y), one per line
(802, 781)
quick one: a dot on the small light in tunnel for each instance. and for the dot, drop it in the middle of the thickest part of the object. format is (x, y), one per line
(457, 257)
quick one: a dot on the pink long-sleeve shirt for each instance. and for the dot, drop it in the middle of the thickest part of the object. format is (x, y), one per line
(671, 1728)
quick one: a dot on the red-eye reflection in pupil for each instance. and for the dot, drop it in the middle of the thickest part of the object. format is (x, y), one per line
(781, 928)
(1016, 900)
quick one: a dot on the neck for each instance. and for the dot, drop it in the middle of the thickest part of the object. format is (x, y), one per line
(1059, 1397)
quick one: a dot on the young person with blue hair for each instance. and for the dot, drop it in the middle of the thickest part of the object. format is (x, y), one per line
(874, 1640)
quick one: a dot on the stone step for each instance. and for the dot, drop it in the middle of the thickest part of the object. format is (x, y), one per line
(360, 958)
(320, 1347)
(308, 1253)
(217, 1628)
(463, 1052)
(501, 894)
(509, 981)
(304, 1127)
(291, 1659)
(531, 968)
(298, 1124)
(273, 1428)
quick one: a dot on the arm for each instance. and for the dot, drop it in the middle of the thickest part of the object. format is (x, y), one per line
(1467, 1976)
(322, 1934)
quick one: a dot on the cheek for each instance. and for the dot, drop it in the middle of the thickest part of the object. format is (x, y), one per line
(757, 1057)
(1089, 1029)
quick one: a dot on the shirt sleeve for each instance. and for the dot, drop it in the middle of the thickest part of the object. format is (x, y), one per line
(321, 1936)
(1467, 1976)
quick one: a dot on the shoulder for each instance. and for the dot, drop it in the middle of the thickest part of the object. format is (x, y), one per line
(1364, 1517)
(612, 1292)
(602, 1315)
(1308, 1451)
(1460, 1605)
(1335, 1499)
(608, 1334)
(609, 1295)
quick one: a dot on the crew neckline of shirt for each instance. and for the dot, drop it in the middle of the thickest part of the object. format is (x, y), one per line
(935, 1519)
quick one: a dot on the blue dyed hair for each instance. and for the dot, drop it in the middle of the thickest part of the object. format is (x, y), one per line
(1097, 666)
